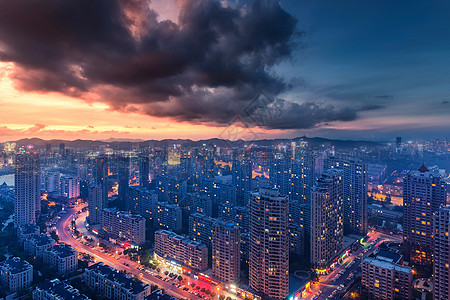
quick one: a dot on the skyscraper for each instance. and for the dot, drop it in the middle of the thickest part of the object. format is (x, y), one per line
(424, 193)
(95, 203)
(354, 179)
(269, 243)
(144, 168)
(27, 187)
(242, 179)
(123, 175)
(441, 261)
(226, 256)
(327, 232)
(100, 175)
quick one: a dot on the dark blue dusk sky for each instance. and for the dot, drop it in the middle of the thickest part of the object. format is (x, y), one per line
(391, 53)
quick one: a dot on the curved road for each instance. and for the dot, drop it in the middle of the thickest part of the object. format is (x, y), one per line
(66, 237)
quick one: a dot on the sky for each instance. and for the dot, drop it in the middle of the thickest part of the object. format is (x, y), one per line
(100, 69)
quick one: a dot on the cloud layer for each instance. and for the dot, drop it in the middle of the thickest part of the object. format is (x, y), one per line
(207, 68)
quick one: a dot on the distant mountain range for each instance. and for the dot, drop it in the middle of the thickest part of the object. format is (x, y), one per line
(122, 143)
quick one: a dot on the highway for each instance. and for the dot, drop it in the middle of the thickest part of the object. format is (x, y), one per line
(66, 237)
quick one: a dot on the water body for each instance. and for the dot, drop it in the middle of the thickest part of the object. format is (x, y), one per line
(9, 179)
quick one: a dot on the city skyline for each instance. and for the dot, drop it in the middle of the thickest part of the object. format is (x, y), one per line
(323, 69)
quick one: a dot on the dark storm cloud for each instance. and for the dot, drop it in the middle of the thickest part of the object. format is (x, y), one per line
(206, 68)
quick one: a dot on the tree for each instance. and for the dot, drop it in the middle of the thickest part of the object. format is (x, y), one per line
(54, 235)
(213, 294)
(221, 297)
(193, 285)
(180, 278)
(158, 270)
(208, 291)
(203, 290)
(166, 273)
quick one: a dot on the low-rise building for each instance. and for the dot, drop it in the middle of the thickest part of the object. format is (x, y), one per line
(62, 258)
(123, 226)
(37, 244)
(180, 248)
(378, 211)
(384, 277)
(57, 290)
(16, 274)
(113, 284)
(25, 231)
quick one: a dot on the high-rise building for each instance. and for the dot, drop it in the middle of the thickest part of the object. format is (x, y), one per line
(327, 232)
(144, 169)
(226, 258)
(269, 243)
(354, 203)
(95, 203)
(142, 201)
(62, 149)
(441, 260)
(424, 193)
(70, 187)
(191, 254)
(168, 216)
(200, 204)
(100, 176)
(201, 228)
(242, 179)
(123, 226)
(52, 180)
(27, 186)
(123, 175)
(384, 277)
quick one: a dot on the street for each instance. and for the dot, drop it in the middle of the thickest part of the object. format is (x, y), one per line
(66, 237)
(340, 279)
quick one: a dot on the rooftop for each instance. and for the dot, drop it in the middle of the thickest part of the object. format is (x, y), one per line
(62, 250)
(61, 291)
(127, 282)
(158, 295)
(42, 239)
(15, 265)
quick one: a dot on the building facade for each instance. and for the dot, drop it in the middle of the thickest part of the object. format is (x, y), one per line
(95, 203)
(113, 284)
(16, 274)
(269, 243)
(56, 290)
(62, 258)
(27, 188)
(424, 193)
(168, 216)
(124, 226)
(226, 257)
(70, 187)
(441, 261)
(37, 244)
(327, 230)
(384, 278)
(191, 254)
